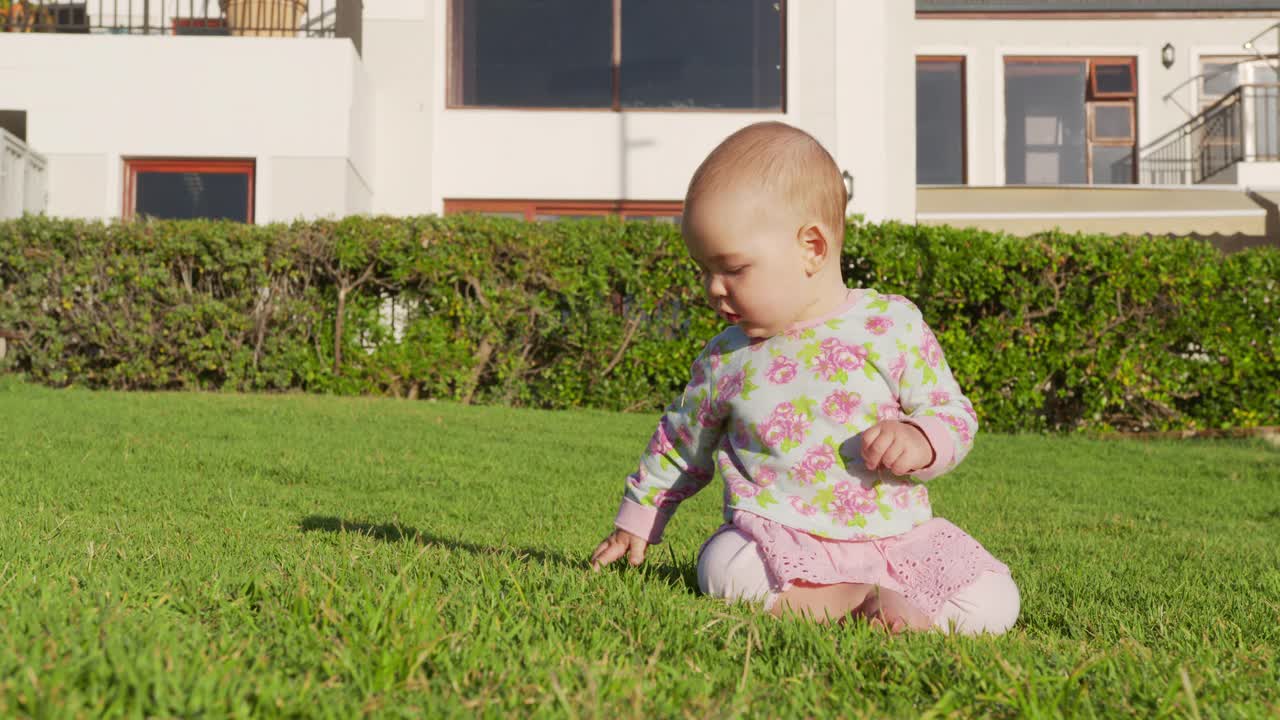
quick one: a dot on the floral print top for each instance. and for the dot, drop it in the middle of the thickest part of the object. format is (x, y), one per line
(781, 419)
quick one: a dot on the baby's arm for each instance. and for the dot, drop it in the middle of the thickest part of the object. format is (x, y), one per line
(931, 401)
(677, 463)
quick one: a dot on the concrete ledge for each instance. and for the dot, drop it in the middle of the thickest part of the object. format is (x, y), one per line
(1136, 210)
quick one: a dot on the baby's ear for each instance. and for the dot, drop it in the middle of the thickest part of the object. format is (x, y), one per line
(815, 246)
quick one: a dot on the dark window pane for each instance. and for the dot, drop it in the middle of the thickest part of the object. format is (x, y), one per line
(182, 196)
(1044, 123)
(536, 53)
(1113, 78)
(1111, 122)
(701, 53)
(1112, 165)
(939, 123)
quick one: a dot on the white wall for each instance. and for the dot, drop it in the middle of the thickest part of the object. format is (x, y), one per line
(985, 43)
(400, 44)
(650, 155)
(875, 113)
(93, 100)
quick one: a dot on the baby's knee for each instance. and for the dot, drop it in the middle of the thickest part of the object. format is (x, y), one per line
(989, 605)
(730, 567)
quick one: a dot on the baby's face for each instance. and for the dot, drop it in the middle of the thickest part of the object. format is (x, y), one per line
(752, 263)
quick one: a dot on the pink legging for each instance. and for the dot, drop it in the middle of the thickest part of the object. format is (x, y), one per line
(731, 567)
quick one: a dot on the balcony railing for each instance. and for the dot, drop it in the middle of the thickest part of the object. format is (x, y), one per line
(1243, 126)
(23, 178)
(259, 18)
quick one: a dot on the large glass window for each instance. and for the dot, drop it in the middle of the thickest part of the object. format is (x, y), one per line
(713, 54)
(1070, 120)
(701, 54)
(534, 53)
(188, 189)
(940, 121)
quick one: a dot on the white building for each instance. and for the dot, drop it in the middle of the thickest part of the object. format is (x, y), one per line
(1141, 115)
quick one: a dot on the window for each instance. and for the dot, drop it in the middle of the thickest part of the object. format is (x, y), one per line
(49, 17)
(1220, 75)
(1070, 120)
(1217, 78)
(663, 54)
(186, 189)
(548, 210)
(15, 123)
(940, 121)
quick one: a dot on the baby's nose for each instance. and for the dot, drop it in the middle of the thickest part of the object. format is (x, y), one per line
(715, 286)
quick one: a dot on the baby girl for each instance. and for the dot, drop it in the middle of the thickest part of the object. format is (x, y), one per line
(826, 410)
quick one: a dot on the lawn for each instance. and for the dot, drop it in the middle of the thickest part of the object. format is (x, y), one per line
(188, 554)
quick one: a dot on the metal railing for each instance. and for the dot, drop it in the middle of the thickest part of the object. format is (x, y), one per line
(23, 178)
(1243, 126)
(259, 18)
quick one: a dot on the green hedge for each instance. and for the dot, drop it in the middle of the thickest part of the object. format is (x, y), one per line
(1054, 332)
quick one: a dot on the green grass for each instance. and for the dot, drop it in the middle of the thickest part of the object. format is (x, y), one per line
(182, 554)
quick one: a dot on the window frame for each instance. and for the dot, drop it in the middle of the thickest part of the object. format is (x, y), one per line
(1091, 97)
(964, 108)
(455, 67)
(1091, 116)
(531, 209)
(1131, 62)
(227, 166)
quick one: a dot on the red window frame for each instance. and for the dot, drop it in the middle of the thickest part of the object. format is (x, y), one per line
(531, 209)
(133, 166)
(1095, 63)
(204, 23)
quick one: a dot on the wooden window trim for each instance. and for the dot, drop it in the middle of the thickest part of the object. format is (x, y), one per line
(1095, 62)
(1091, 110)
(531, 209)
(227, 166)
(455, 66)
(964, 106)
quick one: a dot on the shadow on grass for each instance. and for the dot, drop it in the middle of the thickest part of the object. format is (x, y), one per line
(675, 574)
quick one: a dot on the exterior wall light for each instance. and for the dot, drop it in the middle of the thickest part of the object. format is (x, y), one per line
(1167, 55)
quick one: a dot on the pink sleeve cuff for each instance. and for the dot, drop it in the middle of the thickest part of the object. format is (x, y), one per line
(642, 521)
(944, 448)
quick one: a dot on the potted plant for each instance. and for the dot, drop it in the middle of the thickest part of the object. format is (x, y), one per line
(264, 18)
(13, 15)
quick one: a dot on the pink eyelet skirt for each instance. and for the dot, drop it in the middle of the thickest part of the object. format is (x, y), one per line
(929, 565)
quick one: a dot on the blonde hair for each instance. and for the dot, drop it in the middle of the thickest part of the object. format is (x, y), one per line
(785, 162)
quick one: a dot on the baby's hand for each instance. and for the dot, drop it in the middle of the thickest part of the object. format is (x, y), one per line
(899, 447)
(619, 543)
